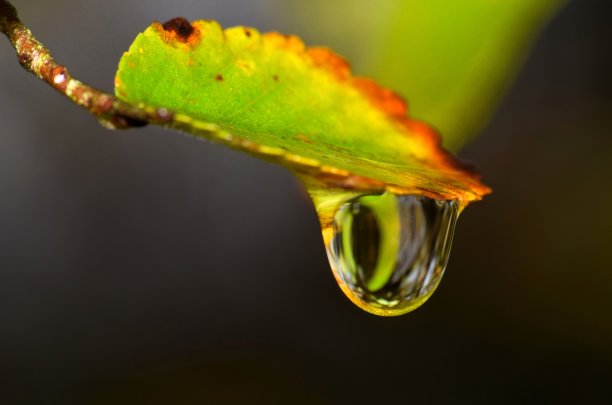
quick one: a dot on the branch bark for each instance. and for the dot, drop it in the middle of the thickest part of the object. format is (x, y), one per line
(111, 112)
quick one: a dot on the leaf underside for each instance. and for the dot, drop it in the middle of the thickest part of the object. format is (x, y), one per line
(269, 95)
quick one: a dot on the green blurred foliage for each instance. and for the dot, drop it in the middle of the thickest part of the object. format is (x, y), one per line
(452, 60)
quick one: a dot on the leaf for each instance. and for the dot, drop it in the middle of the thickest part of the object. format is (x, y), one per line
(453, 59)
(271, 96)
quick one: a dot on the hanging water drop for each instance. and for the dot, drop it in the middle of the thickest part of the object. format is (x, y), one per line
(388, 252)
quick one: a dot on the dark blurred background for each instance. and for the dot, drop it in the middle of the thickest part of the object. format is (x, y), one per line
(146, 267)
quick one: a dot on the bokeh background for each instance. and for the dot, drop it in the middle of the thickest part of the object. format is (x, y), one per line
(150, 267)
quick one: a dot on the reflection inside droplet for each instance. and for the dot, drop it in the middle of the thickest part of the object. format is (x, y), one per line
(388, 252)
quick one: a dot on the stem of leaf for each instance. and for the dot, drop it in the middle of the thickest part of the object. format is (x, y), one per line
(34, 57)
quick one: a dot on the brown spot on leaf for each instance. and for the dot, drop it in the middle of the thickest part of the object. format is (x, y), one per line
(180, 26)
(247, 32)
(219, 77)
(275, 78)
(303, 138)
(178, 30)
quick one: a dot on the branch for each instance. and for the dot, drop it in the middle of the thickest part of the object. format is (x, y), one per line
(36, 58)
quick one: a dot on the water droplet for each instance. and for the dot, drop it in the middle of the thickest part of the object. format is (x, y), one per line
(59, 78)
(388, 252)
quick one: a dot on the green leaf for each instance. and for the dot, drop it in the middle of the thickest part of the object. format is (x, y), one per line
(453, 59)
(271, 96)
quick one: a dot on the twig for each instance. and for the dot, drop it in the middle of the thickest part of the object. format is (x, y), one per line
(36, 58)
